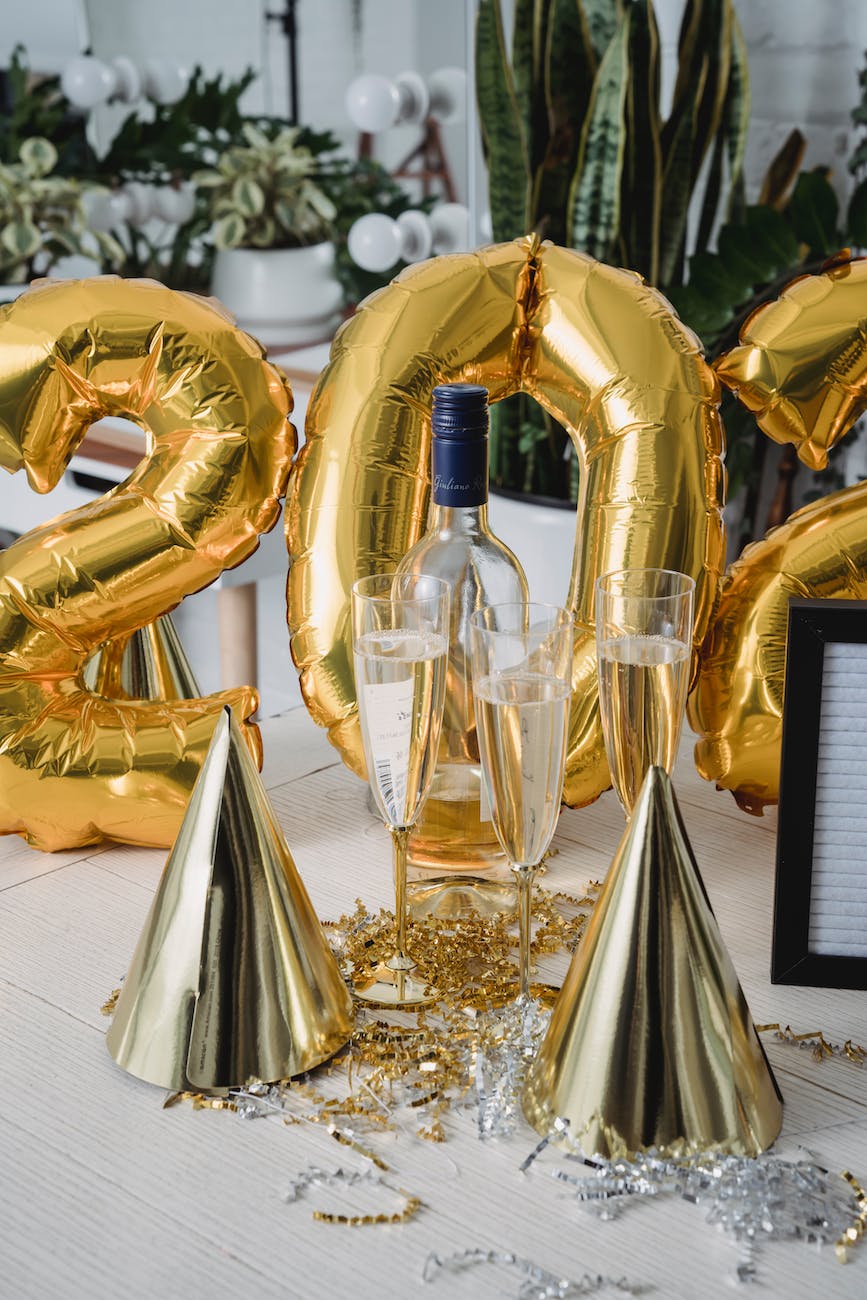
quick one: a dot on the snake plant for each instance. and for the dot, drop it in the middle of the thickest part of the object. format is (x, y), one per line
(579, 150)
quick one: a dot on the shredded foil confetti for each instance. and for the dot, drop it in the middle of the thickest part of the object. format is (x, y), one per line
(539, 1283)
(753, 1199)
(817, 1044)
(416, 1072)
(314, 1177)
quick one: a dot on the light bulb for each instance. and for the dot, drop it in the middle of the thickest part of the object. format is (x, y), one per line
(86, 81)
(374, 242)
(450, 228)
(174, 203)
(373, 103)
(164, 82)
(448, 95)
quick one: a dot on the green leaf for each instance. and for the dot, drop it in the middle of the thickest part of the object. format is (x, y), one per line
(21, 238)
(229, 231)
(502, 134)
(856, 218)
(248, 196)
(570, 67)
(715, 279)
(602, 18)
(813, 210)
(676, 194)
(770, 230)
(748, 260)
(594, 199)
(38, 155)
(642, 168)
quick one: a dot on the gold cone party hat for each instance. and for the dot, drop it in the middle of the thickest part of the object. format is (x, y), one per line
(651, 1043)
(148, 664)
(232, 978)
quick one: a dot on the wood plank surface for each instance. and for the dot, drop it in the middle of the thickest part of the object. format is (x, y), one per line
(105, 1194)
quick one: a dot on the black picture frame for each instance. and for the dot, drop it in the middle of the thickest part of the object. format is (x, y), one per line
(813, 624)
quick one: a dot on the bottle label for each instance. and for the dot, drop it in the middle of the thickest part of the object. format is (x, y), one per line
(388, 711)
(460, 472)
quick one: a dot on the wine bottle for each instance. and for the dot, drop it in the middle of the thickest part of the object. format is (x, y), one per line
(455, 838)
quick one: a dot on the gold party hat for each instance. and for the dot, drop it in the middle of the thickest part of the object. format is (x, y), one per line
(148, 664)
(232, 978)
(651, 1043)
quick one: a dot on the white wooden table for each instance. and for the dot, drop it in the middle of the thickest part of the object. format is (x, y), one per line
(103, 1194)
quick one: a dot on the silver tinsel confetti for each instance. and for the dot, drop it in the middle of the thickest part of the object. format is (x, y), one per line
(507, 1043)
(539, 1283)
(753, 1199)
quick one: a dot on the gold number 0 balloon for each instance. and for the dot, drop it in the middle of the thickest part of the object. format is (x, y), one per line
(601, 351)
(75, 767)
(802, 368)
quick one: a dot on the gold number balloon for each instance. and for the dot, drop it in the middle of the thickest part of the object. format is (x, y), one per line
(76, 767)
(802, 367)
(601, 351)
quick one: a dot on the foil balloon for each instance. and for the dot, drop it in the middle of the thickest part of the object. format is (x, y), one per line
(802, 367)
(75, 766)
(599, 350)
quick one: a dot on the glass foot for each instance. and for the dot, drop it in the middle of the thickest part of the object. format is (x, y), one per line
(448, 898)
(384, 987)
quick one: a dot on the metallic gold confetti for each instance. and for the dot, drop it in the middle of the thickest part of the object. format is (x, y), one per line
(815, 1040)
(314, 1177)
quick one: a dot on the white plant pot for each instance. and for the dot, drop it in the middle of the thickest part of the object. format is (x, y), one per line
(542, 537)
(282, 296)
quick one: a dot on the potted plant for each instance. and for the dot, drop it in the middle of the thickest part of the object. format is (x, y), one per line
(273, 222)
(579, 151)
(42, 218)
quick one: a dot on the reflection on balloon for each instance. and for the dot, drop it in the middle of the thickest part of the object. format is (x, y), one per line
(802, 367)
(598, 349)
(75, 766)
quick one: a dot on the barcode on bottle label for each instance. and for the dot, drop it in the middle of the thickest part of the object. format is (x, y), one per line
(388, 710)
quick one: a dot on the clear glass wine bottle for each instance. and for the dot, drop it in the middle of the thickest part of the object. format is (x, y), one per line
(455, 859)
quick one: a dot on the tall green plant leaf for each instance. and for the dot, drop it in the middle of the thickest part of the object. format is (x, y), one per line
(594, 198)
(529, 38)
(642, 169)
(602, 18)
(570, 67)
(676, 194)
(502, 132)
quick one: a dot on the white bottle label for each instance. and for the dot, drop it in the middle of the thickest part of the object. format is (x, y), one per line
(388, 709)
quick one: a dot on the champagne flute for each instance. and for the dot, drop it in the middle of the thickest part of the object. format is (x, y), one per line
(522, 664)
(400, 637)
(643, 642)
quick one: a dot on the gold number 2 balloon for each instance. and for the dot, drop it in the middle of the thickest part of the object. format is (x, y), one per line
(802, 368)
(76, 767)
(600, 351)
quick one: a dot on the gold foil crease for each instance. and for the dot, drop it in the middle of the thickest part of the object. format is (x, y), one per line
(601, 351)
(651, 1044)
(232, 977)
(802, 368)
(75, 766)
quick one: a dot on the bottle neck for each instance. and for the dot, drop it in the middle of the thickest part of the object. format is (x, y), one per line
(458, 519)
(459, 474)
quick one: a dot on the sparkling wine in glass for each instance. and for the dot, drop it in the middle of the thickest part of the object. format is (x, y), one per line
(521, 662)
(400, 636)
(643, 642)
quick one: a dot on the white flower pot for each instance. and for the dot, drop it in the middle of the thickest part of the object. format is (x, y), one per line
(543, 538)
(282, 296)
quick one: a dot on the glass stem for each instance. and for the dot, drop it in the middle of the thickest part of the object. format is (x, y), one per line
(401, 960)
(524, 880)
